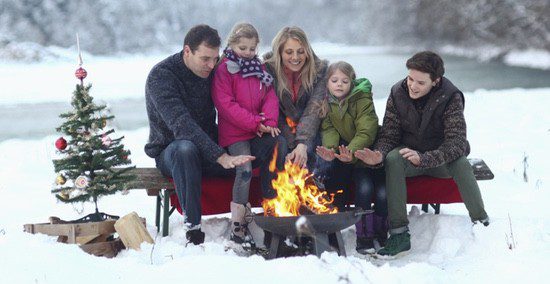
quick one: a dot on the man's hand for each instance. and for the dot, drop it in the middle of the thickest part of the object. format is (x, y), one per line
(299, 155)
(369, 157)
(230, 162)
(410, 155)
(345, 154)
(325, 153)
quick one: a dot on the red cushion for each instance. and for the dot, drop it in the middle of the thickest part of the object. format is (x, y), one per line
(426, 189)
(217, 193)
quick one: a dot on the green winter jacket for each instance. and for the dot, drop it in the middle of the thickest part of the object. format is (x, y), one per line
(353, 119)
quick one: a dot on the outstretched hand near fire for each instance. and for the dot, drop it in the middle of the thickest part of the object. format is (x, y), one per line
(369, 157)
(230, 162)
(298, 156)
(345, 155)
(325, 153)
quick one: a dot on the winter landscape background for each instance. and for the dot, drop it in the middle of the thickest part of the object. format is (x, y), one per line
(496, 51)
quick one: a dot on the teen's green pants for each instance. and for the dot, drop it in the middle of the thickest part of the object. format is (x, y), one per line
(398, 168)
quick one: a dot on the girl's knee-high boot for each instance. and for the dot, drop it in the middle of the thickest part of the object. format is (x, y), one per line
(239, 224)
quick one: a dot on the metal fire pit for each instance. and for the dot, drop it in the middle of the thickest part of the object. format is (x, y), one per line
(320, 228)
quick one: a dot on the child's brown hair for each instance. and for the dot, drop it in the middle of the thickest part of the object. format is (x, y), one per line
(345, 68)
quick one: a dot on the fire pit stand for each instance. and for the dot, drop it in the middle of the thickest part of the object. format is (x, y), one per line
(322, 229)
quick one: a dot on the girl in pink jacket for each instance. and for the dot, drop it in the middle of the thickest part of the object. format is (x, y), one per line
(247, 119)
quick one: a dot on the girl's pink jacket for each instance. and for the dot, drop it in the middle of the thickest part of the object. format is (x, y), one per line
(239, 102)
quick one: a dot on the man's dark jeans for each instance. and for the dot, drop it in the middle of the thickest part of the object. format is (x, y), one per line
(182, 161)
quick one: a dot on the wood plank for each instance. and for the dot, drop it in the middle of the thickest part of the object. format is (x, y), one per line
(72, 231)
(86, 239)
(148, 178)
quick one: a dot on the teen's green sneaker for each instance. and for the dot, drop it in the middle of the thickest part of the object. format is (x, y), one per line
(396, 245)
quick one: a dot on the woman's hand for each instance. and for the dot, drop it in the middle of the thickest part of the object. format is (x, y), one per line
(299, 155)
(345, 154)
(325, 153)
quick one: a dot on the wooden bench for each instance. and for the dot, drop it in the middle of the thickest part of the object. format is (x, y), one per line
(216, 192)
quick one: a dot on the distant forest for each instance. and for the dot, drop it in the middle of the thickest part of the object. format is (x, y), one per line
(107, 27)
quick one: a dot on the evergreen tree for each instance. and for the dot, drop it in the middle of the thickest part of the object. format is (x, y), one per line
(87, 168)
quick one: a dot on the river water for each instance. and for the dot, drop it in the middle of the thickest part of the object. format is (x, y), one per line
(34, 120)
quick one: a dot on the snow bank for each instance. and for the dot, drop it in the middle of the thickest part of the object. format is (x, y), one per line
(504, 127)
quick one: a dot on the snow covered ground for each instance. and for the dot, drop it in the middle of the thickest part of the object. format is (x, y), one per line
(505, 128)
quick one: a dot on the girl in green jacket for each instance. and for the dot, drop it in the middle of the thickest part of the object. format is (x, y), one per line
(351, 124)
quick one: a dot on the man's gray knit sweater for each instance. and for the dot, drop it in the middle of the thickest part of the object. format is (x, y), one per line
(179, 107)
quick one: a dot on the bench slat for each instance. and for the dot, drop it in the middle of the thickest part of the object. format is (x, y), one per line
(149, 178)
(481, 170)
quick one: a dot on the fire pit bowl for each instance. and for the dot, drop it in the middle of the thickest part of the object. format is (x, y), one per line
(322, 223)
(319, 227)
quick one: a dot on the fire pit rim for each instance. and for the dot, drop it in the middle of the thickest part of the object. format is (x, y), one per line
(321, 223)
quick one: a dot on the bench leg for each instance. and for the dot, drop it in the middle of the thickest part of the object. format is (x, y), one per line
(166, 212)
(157, 213)
(435, 206)
(425, 208)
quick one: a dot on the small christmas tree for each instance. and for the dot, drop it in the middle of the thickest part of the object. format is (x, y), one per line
(87, 169)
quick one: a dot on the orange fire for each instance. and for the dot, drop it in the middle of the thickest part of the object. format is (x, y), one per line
(291, 124)
(296, 189)
(273, 162)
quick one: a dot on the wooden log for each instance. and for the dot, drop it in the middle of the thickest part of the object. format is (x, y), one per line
(132, 232)
(107, 249)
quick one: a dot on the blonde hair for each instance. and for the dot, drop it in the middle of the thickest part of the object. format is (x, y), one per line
(308, 72)
(241, 30)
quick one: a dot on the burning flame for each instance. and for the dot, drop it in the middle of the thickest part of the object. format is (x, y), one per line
(273, 162)
(296, 190)
(291, 124)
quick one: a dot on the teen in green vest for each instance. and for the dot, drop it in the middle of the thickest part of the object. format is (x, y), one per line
(424, 133)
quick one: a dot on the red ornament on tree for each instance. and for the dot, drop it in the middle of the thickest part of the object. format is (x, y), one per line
(80, 73)
(61, 144)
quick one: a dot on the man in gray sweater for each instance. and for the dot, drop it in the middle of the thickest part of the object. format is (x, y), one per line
(182, 122)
